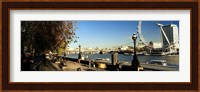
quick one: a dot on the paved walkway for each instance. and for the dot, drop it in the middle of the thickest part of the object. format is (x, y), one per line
(48, 66)
(74, 66)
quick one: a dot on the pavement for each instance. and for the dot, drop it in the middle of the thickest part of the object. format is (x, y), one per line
(68, 65)
(48, 66)
(74, 66)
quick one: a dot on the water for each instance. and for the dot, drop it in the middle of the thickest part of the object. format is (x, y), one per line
(171, 60)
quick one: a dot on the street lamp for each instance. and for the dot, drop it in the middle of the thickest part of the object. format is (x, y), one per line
(79, 55)
(135, 63)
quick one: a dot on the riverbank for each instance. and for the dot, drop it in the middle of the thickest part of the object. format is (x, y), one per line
(84, 64)
(72, 64)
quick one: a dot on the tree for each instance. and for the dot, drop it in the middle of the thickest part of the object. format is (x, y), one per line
(47, 35)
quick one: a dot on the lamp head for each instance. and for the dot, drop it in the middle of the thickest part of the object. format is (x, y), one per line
(134, 37)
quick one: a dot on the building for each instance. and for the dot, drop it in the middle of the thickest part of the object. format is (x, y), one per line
(140, 45)
(157, 45)
(172, 34)
(124, 47)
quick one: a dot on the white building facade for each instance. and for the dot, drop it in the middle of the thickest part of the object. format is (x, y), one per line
(172, 35)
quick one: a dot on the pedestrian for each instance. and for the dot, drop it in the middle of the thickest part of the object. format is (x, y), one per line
(79, 61)
(89, 64)
(92, 63)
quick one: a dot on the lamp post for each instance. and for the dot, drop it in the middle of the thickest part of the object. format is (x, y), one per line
(135, 63)
(79, 55)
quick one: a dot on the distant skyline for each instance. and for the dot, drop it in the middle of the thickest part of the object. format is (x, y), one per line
(107, 34)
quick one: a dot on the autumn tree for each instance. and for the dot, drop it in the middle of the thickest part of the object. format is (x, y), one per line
(47, 35)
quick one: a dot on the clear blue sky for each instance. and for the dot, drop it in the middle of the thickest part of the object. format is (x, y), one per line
(106, 34)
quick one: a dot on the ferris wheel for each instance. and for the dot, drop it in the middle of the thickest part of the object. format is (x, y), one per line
(139, 31)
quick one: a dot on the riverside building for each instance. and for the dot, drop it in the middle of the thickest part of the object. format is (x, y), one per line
(172, 34)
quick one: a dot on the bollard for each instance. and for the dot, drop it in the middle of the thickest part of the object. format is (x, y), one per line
(114, 58)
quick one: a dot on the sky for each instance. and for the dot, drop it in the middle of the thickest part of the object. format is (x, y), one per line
(106, 34)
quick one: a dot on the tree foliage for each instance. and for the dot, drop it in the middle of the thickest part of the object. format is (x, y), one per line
(47, 35)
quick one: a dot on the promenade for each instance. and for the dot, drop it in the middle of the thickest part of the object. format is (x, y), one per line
(68, 65)
(71, 64)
